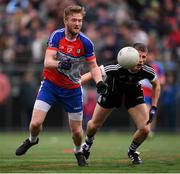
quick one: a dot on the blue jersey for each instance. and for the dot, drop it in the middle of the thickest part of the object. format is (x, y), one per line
(77, 51)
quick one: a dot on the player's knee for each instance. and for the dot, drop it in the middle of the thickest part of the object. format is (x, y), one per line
(145, 130)
(76, 132)
(35, 125)
(93, 125)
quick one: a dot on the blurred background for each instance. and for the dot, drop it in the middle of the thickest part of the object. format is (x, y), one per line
(25, 26)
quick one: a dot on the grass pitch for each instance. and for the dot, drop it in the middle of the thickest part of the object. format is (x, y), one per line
(54, 154)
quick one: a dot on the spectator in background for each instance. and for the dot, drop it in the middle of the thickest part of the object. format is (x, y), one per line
(123, 36)
(137, 34)
(91, 14)
(38, 48)
(23, 46)
(169, 101)
(4, 93)
(27, 97)
(109, 51)
(14, 5)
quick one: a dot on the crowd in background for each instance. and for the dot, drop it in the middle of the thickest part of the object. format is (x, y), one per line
(25, 26)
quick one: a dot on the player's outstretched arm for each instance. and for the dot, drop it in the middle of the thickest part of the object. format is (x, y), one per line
(155, 97)
(95, 71)
(88, 76)
(85, 78)
(156, 89)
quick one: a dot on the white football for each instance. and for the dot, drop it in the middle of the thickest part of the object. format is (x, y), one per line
(128, 57)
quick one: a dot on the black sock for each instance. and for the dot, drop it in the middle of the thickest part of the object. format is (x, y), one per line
(134, 145)
(89, 140)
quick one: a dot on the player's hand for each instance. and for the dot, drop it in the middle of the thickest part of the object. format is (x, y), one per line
(102, 88)
(66, 65)
(152, 114)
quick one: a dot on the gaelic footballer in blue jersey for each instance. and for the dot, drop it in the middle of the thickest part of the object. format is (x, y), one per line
(67, 49)
(124, 88)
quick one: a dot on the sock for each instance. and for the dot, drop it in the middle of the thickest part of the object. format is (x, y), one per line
(133, 146)
(77, 149)
(32, 139)
(89, 140)
(88, 143)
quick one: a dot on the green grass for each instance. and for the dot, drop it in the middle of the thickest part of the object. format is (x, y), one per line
(53, 154)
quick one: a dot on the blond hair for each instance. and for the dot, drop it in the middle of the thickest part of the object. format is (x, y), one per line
(73, 9)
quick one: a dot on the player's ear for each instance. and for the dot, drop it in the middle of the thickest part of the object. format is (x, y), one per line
(65, 20)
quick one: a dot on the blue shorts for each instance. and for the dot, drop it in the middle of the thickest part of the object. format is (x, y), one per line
(52, 94)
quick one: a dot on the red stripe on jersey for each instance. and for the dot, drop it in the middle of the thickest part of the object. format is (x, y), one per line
(59, 79)
(90, 58)
(52, 48)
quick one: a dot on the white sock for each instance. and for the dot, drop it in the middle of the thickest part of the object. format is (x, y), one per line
(32, 139)
(77, 149)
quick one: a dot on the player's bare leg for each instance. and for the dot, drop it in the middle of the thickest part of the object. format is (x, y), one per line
(140, 116)
(35, 127)
(77, 132)
(99, 116)
(77, 136)
(152, 124)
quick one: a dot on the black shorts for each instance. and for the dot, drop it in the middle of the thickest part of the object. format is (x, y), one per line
(129, 95)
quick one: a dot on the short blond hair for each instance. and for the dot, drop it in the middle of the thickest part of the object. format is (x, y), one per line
(73, 9)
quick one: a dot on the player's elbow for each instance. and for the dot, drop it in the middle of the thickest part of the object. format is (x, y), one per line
(50, 62)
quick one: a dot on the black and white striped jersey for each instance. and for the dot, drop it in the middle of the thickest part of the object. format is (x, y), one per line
(124, 76)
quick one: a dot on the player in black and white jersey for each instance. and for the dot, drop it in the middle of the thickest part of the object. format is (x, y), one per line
(124, 88)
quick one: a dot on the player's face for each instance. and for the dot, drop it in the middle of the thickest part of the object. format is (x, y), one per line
(142, 60)
(73, 23)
